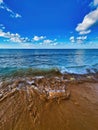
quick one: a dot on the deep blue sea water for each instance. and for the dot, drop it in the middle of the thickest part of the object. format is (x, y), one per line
(66, 60)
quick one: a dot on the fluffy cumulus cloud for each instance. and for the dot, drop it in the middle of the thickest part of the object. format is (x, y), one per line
(50, 42)
(80, 39)
(89, 20)
(47, 41)
(12, 13)
(72, 39)
(84, 32)
(25, 41)
(38, 38)
(13, 37)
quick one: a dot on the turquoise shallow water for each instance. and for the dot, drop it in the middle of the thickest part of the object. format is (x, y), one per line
(71, 61)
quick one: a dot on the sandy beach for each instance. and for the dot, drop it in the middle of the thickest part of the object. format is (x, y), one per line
(25, 107)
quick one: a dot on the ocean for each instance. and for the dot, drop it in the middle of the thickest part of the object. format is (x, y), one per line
(78, 61)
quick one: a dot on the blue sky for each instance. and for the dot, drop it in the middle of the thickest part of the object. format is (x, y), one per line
(48, 24)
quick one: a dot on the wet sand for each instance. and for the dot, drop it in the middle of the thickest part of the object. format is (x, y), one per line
(23, 107)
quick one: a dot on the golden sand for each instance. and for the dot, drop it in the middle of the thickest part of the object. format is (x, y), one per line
(27, 109)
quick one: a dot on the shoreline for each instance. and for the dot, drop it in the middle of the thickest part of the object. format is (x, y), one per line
(60, 101)
(45, 84)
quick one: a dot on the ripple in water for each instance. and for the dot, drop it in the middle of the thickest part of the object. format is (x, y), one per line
(71, 61)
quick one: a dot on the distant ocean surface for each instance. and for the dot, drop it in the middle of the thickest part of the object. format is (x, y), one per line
(66, 60)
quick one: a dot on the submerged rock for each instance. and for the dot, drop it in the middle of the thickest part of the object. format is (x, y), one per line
(31, 82)
(39, 77)
(50, 88)
(58, 94)
(72, 79)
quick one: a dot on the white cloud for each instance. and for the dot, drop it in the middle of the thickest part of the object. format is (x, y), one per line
(50, 42)
(88, 21)
(84, 32)
(12, 13)
(1, 1)
(47, 41)
(13, 37)
(95, 2)
(55, 43)
(18, 15)
(25, 41)
(82, 38)
(2, 26)
(79, 39)
(38, 38)
(72, 39)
